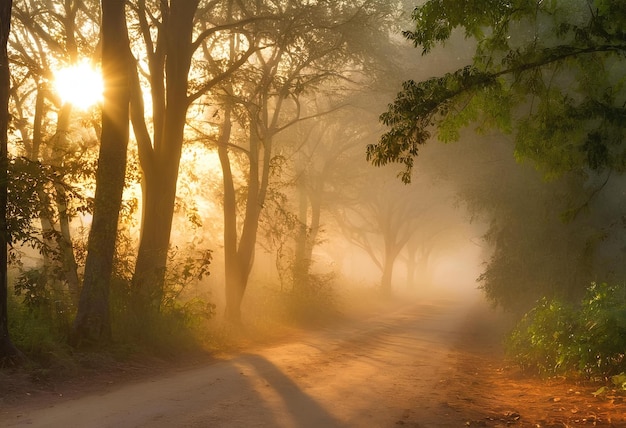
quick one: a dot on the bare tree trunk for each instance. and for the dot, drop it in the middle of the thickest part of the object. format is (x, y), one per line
(232, 269)
(391, 254)
(309, 200)
(92, 323)
(411, 264)
(67, 260)
(66, 248)
(302, 260)
(239, 262)
(160, 163)
(7, 350)
(385, 281)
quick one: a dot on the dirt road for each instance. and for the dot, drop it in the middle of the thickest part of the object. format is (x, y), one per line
(380, 372)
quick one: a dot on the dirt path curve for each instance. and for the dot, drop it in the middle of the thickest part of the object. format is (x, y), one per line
(380, 372)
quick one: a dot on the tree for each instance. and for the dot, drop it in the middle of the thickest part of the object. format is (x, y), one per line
(328, 164)
(307, 46)
(168, 32)
(530, 252)
(92, 323)
(36, 54)
(7, 350)
(548, 72)
(384, 215)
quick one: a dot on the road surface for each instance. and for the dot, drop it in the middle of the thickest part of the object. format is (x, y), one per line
(380, 372)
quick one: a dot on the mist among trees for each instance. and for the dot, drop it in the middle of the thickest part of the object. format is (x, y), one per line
(231, 153)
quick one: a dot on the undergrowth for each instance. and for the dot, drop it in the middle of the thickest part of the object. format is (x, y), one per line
(585, 340)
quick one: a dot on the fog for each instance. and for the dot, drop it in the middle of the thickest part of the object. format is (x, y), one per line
(336, 218)
(366, 231)
(318, 216)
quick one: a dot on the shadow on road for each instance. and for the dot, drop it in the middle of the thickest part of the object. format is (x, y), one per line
(286, 398)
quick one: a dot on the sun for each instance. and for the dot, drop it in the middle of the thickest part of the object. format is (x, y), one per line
(80, 84)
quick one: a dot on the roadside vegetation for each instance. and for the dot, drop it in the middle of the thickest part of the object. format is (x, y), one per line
(243, 196)
(586, 339)
(544, 88)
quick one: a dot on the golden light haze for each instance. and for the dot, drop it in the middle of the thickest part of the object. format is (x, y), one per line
(79, 84)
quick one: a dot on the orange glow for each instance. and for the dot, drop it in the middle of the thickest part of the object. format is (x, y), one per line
(79, 84)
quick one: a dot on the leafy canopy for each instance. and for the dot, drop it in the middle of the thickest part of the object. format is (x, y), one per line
(552, 72)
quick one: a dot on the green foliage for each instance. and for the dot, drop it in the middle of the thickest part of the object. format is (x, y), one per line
(555, 66)
(45, 299)
(38, 327)
(544, 338)
(602, 338)
(586, 340)
(32, 285)
(29, 181)
(184, 311)
(619, 380)
(519, 271)
(185, 269)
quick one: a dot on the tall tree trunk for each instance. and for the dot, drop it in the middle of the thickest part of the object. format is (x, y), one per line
(160, 163)
(389, 259)
(60, 148)
(67, 260)
(92, 324)
(309, 200)
(239, 263)
(232, 269)
(411, 263)
(45, 216)
(302, 261)
(7, 350)
(385, 281)
(66, 248)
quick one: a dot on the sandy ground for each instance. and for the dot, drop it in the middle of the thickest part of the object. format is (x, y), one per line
(434, 363)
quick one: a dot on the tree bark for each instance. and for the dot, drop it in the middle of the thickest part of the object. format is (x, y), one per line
(160, 162)
(67, 260)
(231, 264)
(387, 273)
(92, 324)
(7, 349)
(309, 200)
(302, 258)
(240, 257)
(393, 246)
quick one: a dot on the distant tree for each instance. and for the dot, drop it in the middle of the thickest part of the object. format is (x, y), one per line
(438, 230)
(7, 350)
(92, 324)
(384, 215)
(328, 163)
(551, 73)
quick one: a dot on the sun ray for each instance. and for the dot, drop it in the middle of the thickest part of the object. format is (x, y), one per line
(79, 84)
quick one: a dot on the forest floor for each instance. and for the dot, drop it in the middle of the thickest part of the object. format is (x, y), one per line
(435, 363)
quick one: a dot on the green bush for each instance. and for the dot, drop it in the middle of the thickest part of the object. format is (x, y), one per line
(36, 333)
(602, 339)
(588, 339)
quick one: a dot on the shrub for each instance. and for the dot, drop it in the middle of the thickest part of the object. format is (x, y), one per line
(602, 336)
(588, 339)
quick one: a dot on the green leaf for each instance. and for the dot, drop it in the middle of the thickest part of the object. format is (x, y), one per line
(599, 391)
